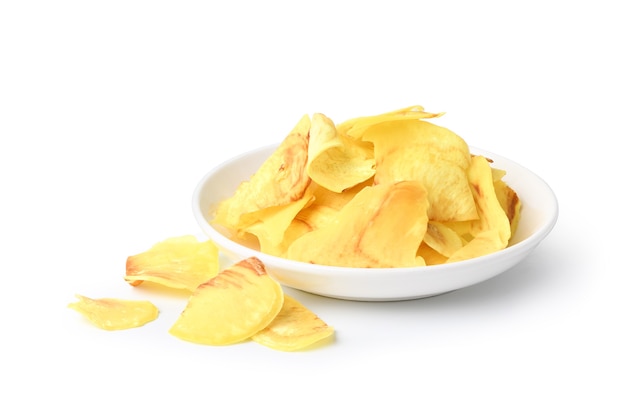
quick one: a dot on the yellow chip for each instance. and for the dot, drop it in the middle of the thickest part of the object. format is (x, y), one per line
(335, 161)
(294, 328)
(431, 256)
(231, 307)
(382, 226)
(280, 180)
(271, 223)
(491, 214)
(491, 231)
(178, 262)
(510, 202)
(442, 238)
(434, 156)
(356, 127)
(327, 204)
(115, 314)
(296, 229)
(321, 206)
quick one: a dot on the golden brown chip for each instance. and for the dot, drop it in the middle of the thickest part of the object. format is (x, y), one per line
(115, 314)
(294, 328)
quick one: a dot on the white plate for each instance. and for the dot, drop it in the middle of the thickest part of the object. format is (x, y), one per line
(539, 215)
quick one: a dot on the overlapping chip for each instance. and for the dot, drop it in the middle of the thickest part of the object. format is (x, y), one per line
(231, 307)
(492, 230)
(356, 127)
(280, 180)
(382, 226)
(294, 328)
(337, 162)
(433, 155)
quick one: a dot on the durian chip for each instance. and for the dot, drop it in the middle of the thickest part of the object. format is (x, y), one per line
(382, 226)
(434, 156)
(280, 180)
(231, 307)
(491, 231)
(178, 262)
(115, 314)
(356, 127)
(294, 328)
(336, 162)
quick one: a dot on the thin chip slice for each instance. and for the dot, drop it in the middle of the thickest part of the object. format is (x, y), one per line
(483, 243)
(327, 204)
(115, 314)
(491, 231)
(272, 222)
(442, 238)
(490, 212)
(431, 256)
(321, 211)
(510, 203)
(178, 262)
(382, 226)
(231, 307)
(356, 127)
(335, 161)
(434, 156)
(280, 180)
(296, 229)
(294, 328)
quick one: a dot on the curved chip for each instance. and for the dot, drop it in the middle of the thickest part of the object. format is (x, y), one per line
(442, 238)
(271, 223)
(356, 127)
(491, 231)
(177, 262)
(280, 180)
(382, 226)
(510, 203)
(335, 161)
(434, 156)
(115, 314)
(231, 307)
(294, 328)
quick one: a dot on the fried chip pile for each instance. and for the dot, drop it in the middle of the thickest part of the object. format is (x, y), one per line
(388, 190)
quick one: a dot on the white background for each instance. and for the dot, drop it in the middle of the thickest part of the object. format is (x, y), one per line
(111, 112)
